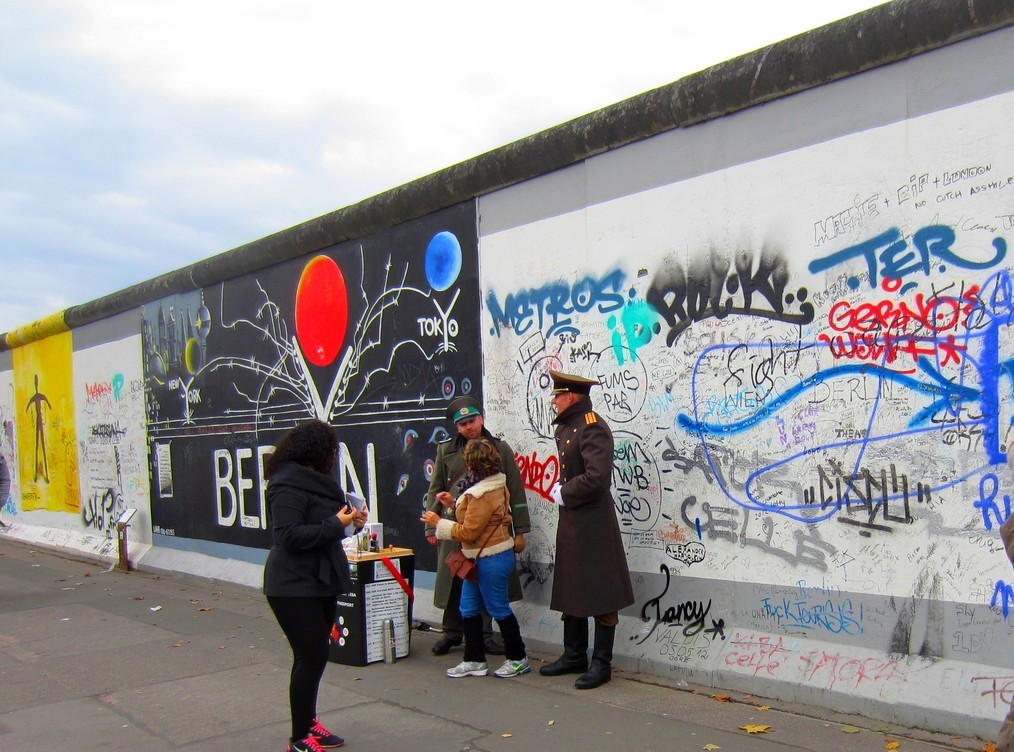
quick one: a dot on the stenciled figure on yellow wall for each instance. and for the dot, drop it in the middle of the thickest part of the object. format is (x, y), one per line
(40, 429)
(44, 401)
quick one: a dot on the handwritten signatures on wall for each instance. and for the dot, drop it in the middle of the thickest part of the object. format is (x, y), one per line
(839, 415)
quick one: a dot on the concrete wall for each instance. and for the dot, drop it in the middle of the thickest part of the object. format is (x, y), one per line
(76, 438)
(802, 344)
(798, 312)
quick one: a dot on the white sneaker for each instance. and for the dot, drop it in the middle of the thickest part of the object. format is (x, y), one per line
(513, 668)
(468, 668)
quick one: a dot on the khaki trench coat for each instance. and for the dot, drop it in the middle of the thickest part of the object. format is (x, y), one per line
(448, 475)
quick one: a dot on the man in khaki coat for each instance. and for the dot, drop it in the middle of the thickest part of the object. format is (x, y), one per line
(449, 475)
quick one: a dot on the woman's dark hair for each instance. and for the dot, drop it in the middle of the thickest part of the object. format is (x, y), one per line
(482, 459)
(312, 443)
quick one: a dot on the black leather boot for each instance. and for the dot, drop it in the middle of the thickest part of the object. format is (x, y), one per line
(575, 649)
(601, 669)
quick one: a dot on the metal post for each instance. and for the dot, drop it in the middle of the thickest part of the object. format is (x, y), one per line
(121, 545)
(121, 539)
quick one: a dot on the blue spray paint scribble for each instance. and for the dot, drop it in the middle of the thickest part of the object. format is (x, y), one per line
(989, 484)
(552, 306)
(949, 395)
(897, 260)
(839, 617)
(1003, 594)
(992, 378)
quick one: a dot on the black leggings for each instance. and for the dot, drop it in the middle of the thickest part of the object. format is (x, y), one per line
(307, 624)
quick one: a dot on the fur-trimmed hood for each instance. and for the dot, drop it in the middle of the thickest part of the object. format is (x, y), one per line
(487, 484)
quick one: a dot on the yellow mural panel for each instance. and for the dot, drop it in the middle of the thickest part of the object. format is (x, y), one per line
(46, 434)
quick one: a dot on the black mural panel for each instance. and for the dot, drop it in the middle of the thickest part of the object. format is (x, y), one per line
(374, 336)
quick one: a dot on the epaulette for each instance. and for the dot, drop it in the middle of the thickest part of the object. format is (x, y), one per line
(590, 418)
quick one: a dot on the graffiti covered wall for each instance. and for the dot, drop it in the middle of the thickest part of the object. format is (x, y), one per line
(373, 336)
(10, 505)
(805, 361)
(112, 458)
(798, 315)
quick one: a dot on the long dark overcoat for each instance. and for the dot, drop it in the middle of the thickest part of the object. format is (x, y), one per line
(448, 475)
(590, 576)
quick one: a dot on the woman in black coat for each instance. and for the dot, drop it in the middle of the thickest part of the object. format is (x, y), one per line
(306, 567)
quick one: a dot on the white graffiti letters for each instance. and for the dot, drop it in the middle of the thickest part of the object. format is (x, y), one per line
(231, 485)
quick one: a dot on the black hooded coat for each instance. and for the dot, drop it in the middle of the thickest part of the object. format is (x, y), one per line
(306, 558)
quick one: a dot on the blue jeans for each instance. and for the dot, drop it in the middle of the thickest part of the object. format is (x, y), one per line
(494, 574)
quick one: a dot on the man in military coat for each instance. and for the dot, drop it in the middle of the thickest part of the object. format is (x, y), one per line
(590, 576)
(449, 474)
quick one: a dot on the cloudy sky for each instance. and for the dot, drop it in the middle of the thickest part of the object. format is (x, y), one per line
(139, 136)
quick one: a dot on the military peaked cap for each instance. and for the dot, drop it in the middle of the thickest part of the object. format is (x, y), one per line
(463, 408)
(566, 382)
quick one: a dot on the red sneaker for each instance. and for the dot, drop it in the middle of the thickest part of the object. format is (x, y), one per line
(324, 737)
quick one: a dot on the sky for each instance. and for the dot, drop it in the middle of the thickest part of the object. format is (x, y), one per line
(140, 136)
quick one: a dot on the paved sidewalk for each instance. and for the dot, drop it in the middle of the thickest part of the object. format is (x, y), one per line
(92, 659)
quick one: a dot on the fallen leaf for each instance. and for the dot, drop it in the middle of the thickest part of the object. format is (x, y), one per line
(989, 747)
(891, 744)
(849, 729)
(205, 608)
(881, 729)
(722, 698)
(755, 728)
(551, 723)
(155, 608)
(710, 747)
(506, 736)
(763, 707)
(138, 598)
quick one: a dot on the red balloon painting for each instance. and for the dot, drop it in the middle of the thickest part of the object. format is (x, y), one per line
(322, 311)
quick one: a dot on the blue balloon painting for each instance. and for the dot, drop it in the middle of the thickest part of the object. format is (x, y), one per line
(443, 260)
